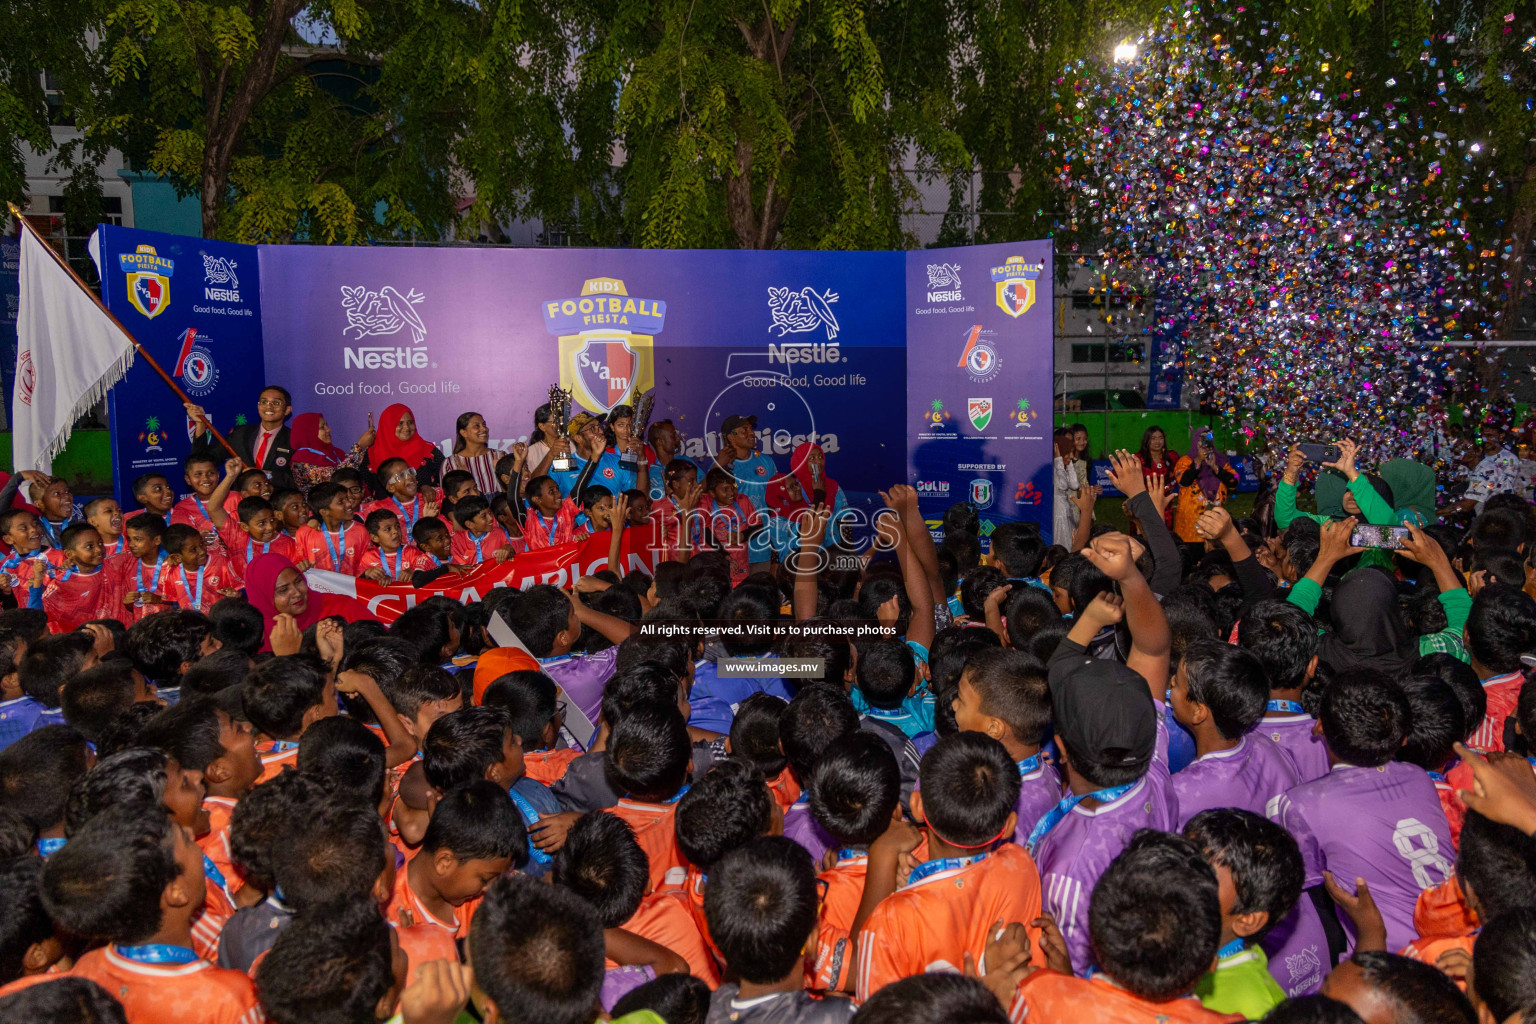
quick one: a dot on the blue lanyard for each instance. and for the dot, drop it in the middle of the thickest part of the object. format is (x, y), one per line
(531, 816)
(282, 746)
(53, 535)
(1437, 776)
(679, 795)
(933, 867)
(117, 547)
(48, 847)
(202, 508)
(214, 874)
(156, 953)
(394, 573)
(159, 562)
(332, 546)
(479, 555)
(250, 547)
(409, 519)
(438, 562)
(886, 713)
(1055, 814)
(1232, 948)
(197, 601)
(1288, 706)
(549, 528)
(17, 559)
(849, 853)
(1030, 764)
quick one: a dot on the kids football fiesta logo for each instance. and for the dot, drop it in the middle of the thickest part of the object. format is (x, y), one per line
(1015, 285)
(606, 337)
(149, 279)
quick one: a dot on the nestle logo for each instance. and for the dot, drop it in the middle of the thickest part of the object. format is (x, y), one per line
(828, 352)
(385, 358)
(954, 296)
(221, 294)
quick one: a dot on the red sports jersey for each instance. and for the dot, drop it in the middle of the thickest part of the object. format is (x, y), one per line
(844, 889)
(114, 546)
(1503, 693)
(469, 549)
(408, 512)
(785, 789)
(73, 598)
(664, 919)
(192, 993)
(405, 910)
(1441, 912)
(193, 511)
(243, 550)
(1047, 997)
(934, 921)
(654, 829)
(1455, 813)
(340, 550)
(197, 589)
(540, 532)
(215, 843)
(133, 575)
(397, 565)
(1428, 951)
(549, 766)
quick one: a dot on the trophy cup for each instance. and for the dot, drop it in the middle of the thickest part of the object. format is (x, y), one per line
(559, 408)
(642, 419)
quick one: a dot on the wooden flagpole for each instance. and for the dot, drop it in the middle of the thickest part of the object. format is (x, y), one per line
(170, 382)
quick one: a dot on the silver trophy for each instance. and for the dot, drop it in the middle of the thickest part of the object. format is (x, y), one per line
(559, 413)
(642, 419)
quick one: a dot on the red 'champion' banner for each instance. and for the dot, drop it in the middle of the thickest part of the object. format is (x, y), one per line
(560, 566)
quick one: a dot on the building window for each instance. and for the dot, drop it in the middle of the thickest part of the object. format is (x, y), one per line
(111, 210)
(54, 97)
(1129, 352)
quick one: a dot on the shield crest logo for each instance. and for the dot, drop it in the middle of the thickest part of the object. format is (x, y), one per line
(981, 412)
(605, 369)
(1015, 296)
(149, 293)
(981, 493)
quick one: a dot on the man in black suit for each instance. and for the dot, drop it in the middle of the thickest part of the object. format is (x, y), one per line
(264, 444)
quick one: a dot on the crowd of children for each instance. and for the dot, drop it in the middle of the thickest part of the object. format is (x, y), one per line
(1255, 777)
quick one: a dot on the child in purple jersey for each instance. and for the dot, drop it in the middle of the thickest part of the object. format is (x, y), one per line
(1370, 817)
(1218, 695)
(1107, 731)
(820, 716)
(1004, 694)
(548, 622)
(1284, 639)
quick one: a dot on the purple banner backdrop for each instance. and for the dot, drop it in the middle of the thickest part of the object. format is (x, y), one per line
(808, 342)
(979, 363)
(195, 305)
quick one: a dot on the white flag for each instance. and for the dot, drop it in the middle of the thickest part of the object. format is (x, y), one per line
(68, 353)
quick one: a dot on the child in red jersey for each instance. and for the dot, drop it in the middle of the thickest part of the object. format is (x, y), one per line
(198, 576)
(478, 538)
(435, 542)
(390, 559)
(402, 495)
(22, 533)
(458, 484)
(252, 531)
(107, 517)
(56, 509)
(82, 589)
(292, 512)
(145, 574)
(195, 510)
(134, 877)
(154, 494)
(339, 544)
(551, 519)
(729, 517)
(249, 483)
(349, 480)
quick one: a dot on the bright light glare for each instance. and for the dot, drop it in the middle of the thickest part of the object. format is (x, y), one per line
(1125, 53)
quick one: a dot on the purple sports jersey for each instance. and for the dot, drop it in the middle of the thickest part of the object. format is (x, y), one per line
(1039, 791)
(801, 826)
(1382, 824)
(583, 677)
(1294, 735)
(1248, 776)
(1297, 948)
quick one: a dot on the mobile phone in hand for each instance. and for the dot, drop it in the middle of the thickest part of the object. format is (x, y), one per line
(1389, 537)
(1319, 452)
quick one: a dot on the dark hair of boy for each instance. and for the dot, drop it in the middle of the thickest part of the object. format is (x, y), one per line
(602, 862)
(540, 618)
(25, 925)
(1501, 565)
(16, 835)
(188, 731)
(455, 479)
(749, 604)
(592, 495)
(1026, 611)
(977, 585)
(1155, 916)
(237, 626)
(669, 579)
(252, 506)
(820, 715)
(969, 789)
(332, 964)
(961, 517)
(133, 776)
(1018, 547)
(1502, 627)
(428, 627)
(282, 695)
(337, 856)
(1437, 722)
(477, 821)
(725, 809)
(123, 731)
(1416, 993)
(755, 733)
(37, 772)
(676, 656)
(927, 998)
(537, 952)
(1230, 682)
(178, 536)
(648, 753)
(141, 483)
(646, 684)
(1312, 1009)
(93, 698)
(73, 532)
(637, 583)
(854, 789)
(377, 518)
(426, 528)
(50, 662)
(198, 459)
(147, 524)
(1012, 688)
(9, 517)
(165, 645)
(1283, 638)
(528, 698)
(346, 757)
(1460, 677)
(675, 998)
(268, 817)
(108, 880)
(1497, 864)
(325, 494)
(216, 673)
(461, 746)
(885, 672)
(761, 907)
(467, 508)
(62, 1000)
(418, 685)
(881, 583)
(1497, 528)
(1504, 965)
(381, 659)
(1263, 858)
(1365, 718)
(964, 549)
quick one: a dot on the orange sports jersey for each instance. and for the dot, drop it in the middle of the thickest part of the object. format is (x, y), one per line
(406, 910)
(471, 549)
(73, 598)
(243, 550)
(549, 766)
(1441, 912)
(192, 993)
(785, 789)
(693, 899)
(664, 919)
(844, 889)
(654, 829)
(424, 942)
(1428, 951)
(192, 511)
(218, 908)
(1047, 997)
(398, 565)
(340, 550)
(215, 844)
(198, 589)
(934, 921)
(276, 758)
(1455, 813)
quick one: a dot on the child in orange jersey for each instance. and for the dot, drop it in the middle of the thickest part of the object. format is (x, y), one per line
(282, 698)
(338, 958)
(530, 698)
(972, 878)
(647, 762)
(755, 737)
(1155, 922)
(133, 876)
(724, 810)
